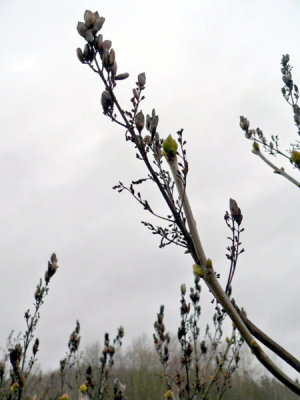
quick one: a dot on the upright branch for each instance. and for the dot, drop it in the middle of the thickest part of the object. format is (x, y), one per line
(18, 354)
(150, 148)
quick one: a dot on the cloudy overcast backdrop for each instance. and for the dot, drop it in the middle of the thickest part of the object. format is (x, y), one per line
(207, 63)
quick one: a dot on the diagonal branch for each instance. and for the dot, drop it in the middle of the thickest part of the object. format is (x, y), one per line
(209, 277)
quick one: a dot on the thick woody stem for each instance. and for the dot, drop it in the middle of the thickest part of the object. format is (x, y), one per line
(209, 276)
(277, 170)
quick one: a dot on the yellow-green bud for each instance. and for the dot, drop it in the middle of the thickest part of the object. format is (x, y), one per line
(295, 157)
(255, 146)
(198, 270)
(64, 397)
(208, 263)
(169, 394)
(14, 387)
(170, 147)
(83, 388)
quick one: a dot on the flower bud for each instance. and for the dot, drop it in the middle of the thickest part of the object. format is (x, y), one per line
(106, 101)
(106, 44)
(141, 80)
(80, 55)
(139, 121)
(135, 94)
(244, 123)
(114, 68)
(183, 289)
(89, 18)
(81, 29)
(287, 78)
(35, 347)
(121, 77)
(99, 42)
(98, 24)
(89, 37)
(249, 134)
(111, 57)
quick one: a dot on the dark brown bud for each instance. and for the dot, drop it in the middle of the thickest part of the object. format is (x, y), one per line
(80, 55)
(106, 101)
(139, 121)
(135, 94)
(151, 123)
(121, 77)
(248, 134)
(81, 29)
(114, 68)
(183, 289)
(111, 58)
(141, 80)
(99, 42)
(244, 123)
(287, 78)
(35, 347)
(235, 211)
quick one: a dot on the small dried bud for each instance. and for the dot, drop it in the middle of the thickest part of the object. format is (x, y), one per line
(80, 55)
(15, 355)
(203, 347)
(121, 77)
(81, 29)
(244, 123)
(139, 121)
(135, 94)
(151, 123)
(35, 347)
(121, 331)
(287, 78)
(141, 80)
(183, 289)
(235, 211)
(249, 133)
(87, 53)
(89, 18)
(106, 101)
(285, 59)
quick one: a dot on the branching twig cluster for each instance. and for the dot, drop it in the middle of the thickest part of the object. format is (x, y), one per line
(160, 157)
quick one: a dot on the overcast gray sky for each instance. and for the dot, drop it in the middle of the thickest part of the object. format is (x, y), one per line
(207, 63)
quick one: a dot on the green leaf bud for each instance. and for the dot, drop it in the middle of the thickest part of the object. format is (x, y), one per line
(295, 157)
(255, 146)
(170, 146)
(198, 270)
